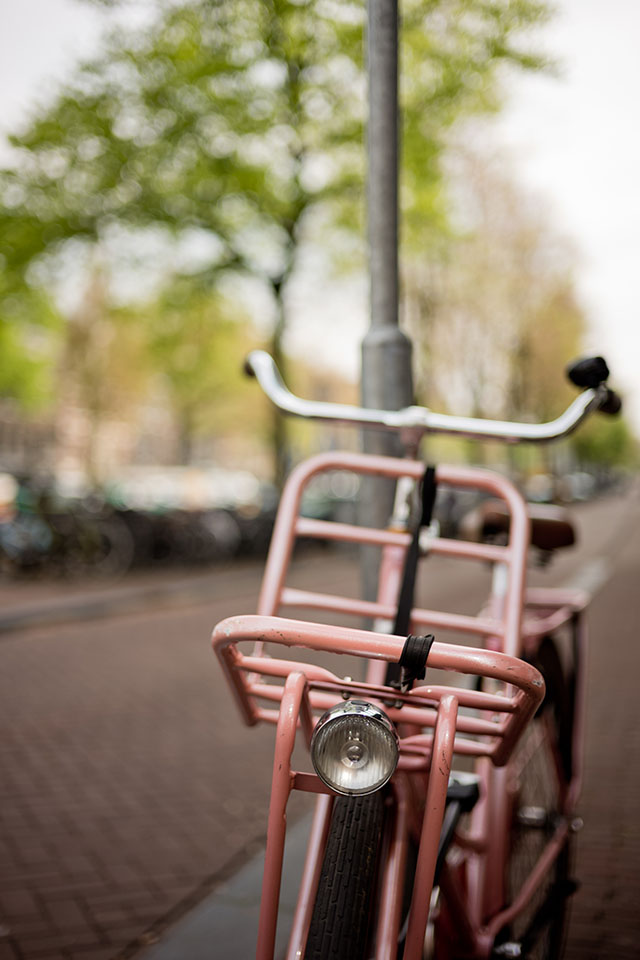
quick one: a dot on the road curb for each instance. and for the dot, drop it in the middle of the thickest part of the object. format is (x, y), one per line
(99, 606)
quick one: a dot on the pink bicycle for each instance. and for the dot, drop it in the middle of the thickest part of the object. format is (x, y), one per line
(444, 810)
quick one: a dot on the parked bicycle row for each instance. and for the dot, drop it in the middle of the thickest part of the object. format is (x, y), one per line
(42, 532)
(154, 520)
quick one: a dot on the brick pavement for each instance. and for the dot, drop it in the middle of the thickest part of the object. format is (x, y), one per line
(123, 797)
(605, 918)
(129, 788)
(113, 738)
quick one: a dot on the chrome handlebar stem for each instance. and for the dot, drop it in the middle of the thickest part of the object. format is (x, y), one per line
(414, 422)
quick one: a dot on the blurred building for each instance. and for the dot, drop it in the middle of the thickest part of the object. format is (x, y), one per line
(26, 446)
(80, 449)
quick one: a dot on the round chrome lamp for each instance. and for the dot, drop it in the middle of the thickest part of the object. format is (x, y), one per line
(354, 748)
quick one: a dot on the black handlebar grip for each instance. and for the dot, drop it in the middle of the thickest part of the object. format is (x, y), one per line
(611, 404)
(588, 372)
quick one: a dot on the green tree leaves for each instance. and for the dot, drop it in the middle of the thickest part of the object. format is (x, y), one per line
(244, 121)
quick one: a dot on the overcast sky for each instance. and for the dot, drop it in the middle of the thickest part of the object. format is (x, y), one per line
(574, 139)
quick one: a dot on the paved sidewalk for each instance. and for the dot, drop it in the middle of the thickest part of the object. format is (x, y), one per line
(605, 919)
(128, 786)
(46, 602)
(129, 790)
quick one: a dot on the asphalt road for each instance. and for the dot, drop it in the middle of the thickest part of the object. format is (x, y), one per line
(130, 790)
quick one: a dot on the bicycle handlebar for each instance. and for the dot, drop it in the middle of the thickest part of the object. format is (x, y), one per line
(416, 421)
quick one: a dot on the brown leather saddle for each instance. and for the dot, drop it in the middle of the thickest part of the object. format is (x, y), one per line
(551, 526)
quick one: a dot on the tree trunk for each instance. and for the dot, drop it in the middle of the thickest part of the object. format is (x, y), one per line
(279, 433)
(185, 438)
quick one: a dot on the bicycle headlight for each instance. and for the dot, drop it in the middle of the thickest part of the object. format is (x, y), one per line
(354, 748)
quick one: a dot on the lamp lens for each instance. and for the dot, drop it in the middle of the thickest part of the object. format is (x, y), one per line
(354, 748)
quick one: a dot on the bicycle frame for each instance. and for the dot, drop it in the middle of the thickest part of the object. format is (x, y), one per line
(436, 722)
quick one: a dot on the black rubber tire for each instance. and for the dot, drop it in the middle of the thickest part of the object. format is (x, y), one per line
(539, 788)
(340, 925)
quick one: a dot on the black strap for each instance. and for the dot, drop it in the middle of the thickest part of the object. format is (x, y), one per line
(413, 661)
(395, 671)
(407, 588)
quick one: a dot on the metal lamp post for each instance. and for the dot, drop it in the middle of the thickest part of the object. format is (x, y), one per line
(386, 351)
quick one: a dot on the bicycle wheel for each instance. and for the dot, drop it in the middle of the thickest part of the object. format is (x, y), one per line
(340, 924)
(542, 762)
